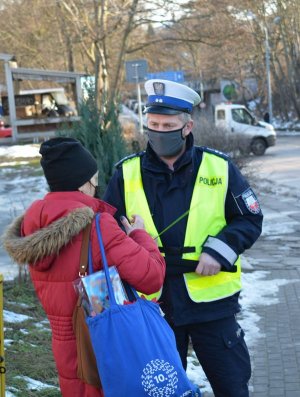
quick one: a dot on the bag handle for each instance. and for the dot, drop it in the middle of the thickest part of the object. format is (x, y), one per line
(111, 293)
(84, 250)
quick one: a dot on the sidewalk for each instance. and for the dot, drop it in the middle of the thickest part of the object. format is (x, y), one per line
(276, 357)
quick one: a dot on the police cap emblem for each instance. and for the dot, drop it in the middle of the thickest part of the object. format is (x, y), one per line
(159, 88)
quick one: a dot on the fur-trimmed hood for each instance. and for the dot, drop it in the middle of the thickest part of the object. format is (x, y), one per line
(47, 241)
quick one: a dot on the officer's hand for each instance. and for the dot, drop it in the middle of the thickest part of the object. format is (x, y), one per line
(207, 266)
(136, 222)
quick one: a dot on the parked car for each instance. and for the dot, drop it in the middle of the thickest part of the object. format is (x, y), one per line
(136, 107)
(5, 132)
(130, 103)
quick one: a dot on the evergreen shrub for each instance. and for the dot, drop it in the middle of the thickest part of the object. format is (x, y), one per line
(101, 133)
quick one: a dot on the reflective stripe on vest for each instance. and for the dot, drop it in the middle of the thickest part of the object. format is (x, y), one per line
(206, 217)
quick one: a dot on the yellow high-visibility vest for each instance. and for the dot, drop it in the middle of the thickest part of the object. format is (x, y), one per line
(206, 218)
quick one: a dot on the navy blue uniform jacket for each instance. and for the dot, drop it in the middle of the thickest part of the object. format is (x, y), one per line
(169, 194)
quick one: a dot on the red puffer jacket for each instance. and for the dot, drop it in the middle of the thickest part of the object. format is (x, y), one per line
(49, 237)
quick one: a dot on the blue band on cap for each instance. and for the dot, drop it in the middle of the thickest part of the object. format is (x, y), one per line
(159, 100)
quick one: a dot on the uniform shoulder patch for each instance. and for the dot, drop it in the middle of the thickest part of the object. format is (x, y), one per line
(131, 156)
(251, 202)
(215, 151)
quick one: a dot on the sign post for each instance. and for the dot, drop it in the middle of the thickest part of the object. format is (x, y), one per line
(135, 72)
(138, 89)
(2, 362)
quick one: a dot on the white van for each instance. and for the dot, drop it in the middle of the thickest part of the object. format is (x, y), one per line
(256, 135)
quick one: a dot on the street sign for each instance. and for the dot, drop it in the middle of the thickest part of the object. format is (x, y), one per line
(173, 75)
(229, 90)
(136, 70)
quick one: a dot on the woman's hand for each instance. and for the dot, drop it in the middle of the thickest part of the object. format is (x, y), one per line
(136, 222)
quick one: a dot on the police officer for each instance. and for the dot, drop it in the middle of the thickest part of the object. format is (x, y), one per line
(203, 214)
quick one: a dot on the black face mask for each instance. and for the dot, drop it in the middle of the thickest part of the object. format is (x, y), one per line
(97, 193)
(166, 143)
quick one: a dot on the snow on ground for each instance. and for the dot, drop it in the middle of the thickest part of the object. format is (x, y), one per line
(275, 227)
(13, 163)
(11, 317)
(286, 125)
(264, 294)
(20, 151)
(33, 384)
(9, 391)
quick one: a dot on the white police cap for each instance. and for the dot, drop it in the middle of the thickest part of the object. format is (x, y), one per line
(168, 97)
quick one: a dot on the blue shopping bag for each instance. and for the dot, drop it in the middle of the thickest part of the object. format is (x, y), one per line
(135, 348)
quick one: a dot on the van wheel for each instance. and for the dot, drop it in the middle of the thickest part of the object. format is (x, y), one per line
(258, 146)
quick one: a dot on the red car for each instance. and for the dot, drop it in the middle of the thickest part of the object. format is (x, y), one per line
(5, 132)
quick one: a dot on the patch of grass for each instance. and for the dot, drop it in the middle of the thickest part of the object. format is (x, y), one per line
(12, 171)
(29, 353)
(15, 161)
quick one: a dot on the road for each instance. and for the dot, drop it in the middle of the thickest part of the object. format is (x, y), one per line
(275, 353)
(280, 166)
(279, 196)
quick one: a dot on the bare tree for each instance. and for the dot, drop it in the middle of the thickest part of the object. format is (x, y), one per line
(278, 21)
(209, 39)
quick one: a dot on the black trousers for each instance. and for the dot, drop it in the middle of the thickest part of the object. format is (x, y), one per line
(222, 352)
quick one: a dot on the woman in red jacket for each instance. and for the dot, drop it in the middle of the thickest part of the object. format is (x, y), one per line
(49, 235)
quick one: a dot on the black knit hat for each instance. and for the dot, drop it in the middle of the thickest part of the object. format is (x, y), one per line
(67, 164)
